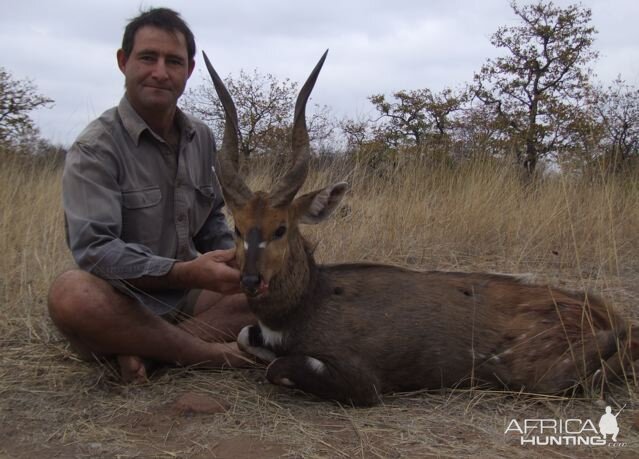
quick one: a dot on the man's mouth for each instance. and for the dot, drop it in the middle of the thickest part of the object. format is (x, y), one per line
(158, 88)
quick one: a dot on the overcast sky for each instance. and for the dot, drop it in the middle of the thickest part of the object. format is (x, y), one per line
(67, 48)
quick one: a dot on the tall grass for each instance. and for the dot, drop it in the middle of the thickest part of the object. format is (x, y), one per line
(482, 215)
(475, 216)
(32, 247)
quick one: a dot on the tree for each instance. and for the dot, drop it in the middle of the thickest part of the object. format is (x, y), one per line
(406, 120)
(18, 98)
(478, 133)
(417, 117)
(535, 87)
(617, 110)
(265, 108)
(357, 132)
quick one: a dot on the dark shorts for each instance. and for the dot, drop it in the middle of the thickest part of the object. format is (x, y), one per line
(172, 305)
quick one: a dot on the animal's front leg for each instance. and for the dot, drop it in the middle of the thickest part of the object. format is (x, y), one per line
(347, 384)
(250, 341)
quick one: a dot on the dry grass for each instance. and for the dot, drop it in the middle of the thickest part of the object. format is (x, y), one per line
(578, 233)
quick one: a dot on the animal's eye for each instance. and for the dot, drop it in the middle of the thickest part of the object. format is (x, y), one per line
(237, 232)
(281, 231)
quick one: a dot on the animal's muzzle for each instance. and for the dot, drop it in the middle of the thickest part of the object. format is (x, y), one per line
(251, 284)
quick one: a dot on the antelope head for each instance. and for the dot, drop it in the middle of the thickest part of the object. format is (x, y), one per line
(266, 223)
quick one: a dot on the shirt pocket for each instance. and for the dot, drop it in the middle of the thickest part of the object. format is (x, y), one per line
(205, 199)
(142, 216)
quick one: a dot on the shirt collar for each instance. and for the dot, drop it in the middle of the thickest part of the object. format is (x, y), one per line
(135, 125)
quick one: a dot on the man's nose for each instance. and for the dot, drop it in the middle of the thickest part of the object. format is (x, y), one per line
(159, 70)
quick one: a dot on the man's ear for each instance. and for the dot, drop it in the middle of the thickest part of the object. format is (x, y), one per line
(191, 67)
(317, 205)
(121, 57)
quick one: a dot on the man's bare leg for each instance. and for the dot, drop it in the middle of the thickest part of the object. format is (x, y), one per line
(100, 321)
(217, 317)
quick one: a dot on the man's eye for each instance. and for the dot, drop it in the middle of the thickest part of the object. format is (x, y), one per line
(281, 231)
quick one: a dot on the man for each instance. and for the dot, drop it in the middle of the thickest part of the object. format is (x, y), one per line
(141, 203)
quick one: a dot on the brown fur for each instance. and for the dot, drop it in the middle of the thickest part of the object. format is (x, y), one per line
(384, 329)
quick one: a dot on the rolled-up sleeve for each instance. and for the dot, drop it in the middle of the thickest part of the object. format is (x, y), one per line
(215, 233)
(92, 203)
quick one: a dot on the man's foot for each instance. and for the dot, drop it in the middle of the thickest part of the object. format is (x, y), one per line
(132, 369)
(206, 332)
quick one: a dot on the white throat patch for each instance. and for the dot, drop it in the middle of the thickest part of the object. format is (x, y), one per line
(260, 352)
(271, 337)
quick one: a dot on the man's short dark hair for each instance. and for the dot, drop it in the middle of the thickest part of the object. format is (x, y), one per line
(162, 18)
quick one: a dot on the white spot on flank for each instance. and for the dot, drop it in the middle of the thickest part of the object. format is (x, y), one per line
(522, 278)
(245, 245)
(286, 382)
(271, 337)
(476, 355)
(316, 365)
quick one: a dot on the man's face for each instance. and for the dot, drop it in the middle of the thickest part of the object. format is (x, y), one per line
(157, 69)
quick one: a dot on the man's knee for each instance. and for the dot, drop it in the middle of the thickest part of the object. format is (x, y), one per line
(72, 295)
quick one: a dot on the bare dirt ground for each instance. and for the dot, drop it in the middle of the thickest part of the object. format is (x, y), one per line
(55, 406)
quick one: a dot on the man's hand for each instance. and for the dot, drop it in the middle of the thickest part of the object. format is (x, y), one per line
(211, 271)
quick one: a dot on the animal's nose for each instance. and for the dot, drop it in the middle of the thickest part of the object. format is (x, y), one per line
(251, 282)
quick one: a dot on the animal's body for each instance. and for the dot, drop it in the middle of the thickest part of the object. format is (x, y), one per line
(377, 329)
(351, 332)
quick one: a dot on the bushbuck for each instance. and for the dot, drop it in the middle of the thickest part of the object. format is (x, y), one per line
(351, 332)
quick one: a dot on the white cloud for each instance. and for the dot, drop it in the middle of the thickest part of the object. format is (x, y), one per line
(68, 48)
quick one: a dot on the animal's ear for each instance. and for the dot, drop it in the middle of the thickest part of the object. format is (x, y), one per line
(313, 207)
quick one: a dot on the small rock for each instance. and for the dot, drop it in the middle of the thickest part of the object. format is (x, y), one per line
(193, 403)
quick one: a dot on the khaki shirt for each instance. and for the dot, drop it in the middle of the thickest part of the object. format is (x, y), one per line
(133, 207)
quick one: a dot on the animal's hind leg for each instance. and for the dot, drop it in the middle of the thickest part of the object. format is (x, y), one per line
(351, 385)
(575, 367)
(624, 364)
